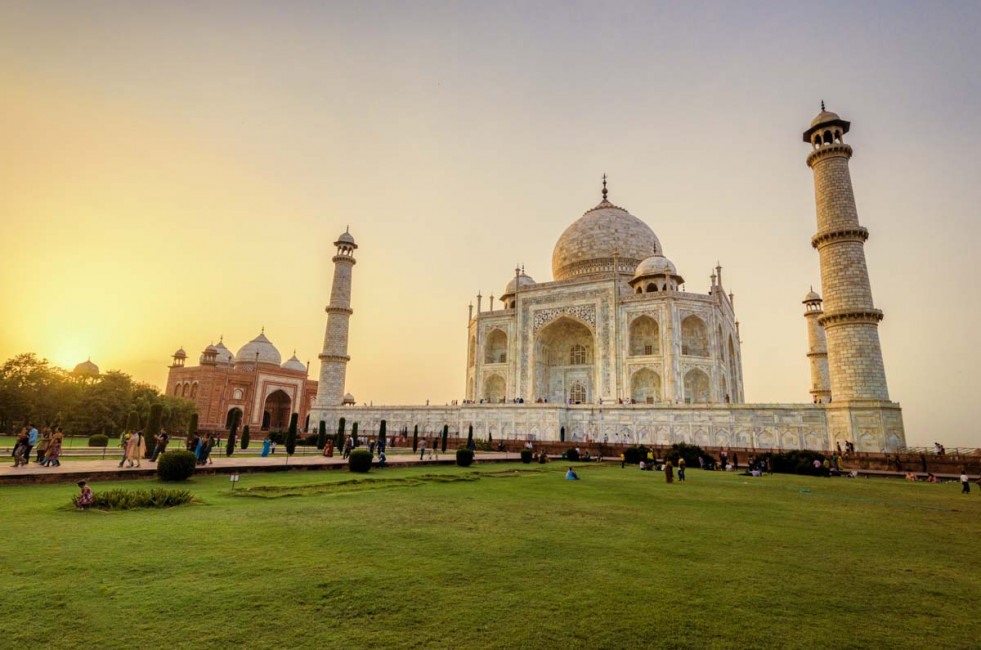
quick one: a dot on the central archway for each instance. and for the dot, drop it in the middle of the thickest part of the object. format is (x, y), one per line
(276, 411)
(565, 362)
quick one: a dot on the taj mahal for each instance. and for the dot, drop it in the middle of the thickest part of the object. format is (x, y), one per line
(615, 348)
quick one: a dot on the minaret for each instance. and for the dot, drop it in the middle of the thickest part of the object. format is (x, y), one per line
(334, 358)
(817, 349)
(850, 320)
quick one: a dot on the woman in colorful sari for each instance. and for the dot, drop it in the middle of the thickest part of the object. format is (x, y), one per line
(54, 450)
(201, 450)
(42, 445)
(135, 448)
(265, 447)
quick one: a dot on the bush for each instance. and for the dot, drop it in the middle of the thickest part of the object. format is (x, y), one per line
(129, 499)
(98, 440)
(572, 455)
(464, 457)
(279, 437)
(796, 462)
(690, 453)
(307, 441)
(359, 460)
(176, 465)
(526, 456)
(633, 455)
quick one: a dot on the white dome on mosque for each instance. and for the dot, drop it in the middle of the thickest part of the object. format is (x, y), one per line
(260, 349)
(294, 364)
(521, 281)
(655, 265)
(589, 245)
(224, 354)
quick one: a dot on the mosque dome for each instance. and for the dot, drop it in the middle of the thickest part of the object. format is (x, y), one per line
(521, 281)
(259, 349)
(655, 265)
(87, 368)
(210, 355)
(180, 354)
(812, 296)
(348, 399)
(294, 364)
(824, 117)
(224, 354)
(588, 246)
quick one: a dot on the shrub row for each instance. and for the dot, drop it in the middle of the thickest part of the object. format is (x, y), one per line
(98, 440)
(130, 499)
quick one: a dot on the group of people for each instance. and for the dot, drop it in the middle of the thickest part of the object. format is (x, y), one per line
(46, 443)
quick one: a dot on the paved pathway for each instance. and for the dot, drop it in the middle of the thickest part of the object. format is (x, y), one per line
(108, 470)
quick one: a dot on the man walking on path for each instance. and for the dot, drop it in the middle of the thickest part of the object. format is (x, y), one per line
(31, 441)
(162, 439)
(965, 483)
(422, 449)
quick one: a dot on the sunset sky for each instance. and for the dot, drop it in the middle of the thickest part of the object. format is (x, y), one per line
(176, 171)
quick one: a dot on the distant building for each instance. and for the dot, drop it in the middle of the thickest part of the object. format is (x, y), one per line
(253, 382)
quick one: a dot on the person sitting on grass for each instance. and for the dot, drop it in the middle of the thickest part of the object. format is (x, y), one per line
(571, 475)
(910, 476)
(85, 499)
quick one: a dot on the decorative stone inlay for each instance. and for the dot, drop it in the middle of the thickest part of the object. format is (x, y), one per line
(857, 233)
(584, 313)
(830, 319)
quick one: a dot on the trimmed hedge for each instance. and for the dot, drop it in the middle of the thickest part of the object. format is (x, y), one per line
(98, 440)
(572, 454)
(359, 460)
(130, 499)
(690, 453)
(526, 456)
(176, 465)
(464, 457)
(633, 455)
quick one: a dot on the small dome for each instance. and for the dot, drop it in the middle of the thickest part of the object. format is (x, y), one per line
(345, 239)
(348, 398)
(180, 354)
(210, 355)
(294, 364)
(522, 282)
(87, 368)
(655, 265)
(259, 349)
(824, 116)
(812, 296)
(224, 354)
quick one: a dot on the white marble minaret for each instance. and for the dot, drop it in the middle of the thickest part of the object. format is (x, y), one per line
(817, 349)
(334, 358)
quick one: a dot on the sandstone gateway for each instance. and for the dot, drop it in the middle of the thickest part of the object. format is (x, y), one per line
(614, 349)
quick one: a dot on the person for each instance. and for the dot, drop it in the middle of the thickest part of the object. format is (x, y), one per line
(371, 447)
(965, 482)
(201, 449)
(623, 459)
(85, 498)
(31, 441)
(265, 447)
(923, 463)
(135, 448)
(571, 475)
(422, 449)
(42, 445)
(20, 448)
(724, 458)
(910, 476)
(347, 447)
(668, 471)
(681, 470)
(643, 466)
(735, 460)
(212, 441)
(272, 448)
(381, 459)
(161, 446)
(52, 456)
(123, 444)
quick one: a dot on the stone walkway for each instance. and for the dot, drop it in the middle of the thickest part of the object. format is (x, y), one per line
(109, 470)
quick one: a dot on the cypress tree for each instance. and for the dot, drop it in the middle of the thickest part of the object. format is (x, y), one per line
(446, 434)
(230, 445)
(354, 435)
(192, 426)
(469, 436)
(339, 440)
(381, 437)
(291, 435)
(152, 428)
(245, 437)
(322, 435)
(415, 439)
(133, 421)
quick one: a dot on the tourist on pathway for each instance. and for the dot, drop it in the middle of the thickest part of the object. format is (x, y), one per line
(51, 457)
(212, 442)
(200, 450)
(422, 449)
(161, 446)
(668, 471)
(20, 448)
(681, 470)
(571, 475)
(965, 483)
(135, 448)
(31, 441)
(42, 445)
(123, 444)
(347, 447)
(85, 499)
(265, 447)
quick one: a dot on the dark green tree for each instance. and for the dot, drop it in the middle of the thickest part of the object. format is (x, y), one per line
(469, 436)
(245, 437)
(339, 440)
(446, 434)
(322, 435)
(192, 426)
(354, 435)
(291, 435)
(415, 438)
(152, 429)
(133, 421)
(230, 445)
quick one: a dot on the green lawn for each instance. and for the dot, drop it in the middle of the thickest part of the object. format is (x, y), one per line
(617, 560)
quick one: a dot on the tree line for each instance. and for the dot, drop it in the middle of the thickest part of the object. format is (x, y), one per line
(34, 391)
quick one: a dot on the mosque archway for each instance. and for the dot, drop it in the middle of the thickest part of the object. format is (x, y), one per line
(644, 337)
(231, 414)
(694, 337)
(645, 387)
(276, 411)
(494, 389)
(697, 387)
(496, 347)
(564, 361)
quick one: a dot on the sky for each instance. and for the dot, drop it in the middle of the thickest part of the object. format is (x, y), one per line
(174, 172)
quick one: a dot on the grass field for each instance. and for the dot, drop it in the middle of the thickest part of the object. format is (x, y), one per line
(619, 559)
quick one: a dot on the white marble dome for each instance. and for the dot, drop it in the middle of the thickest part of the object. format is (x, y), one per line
(812, 296)
(587, 246)
(294, 364)
(267, 352)
(224, 354)
(87, 368)
(180, 354)
(824, 117)
(521, 281)
(655, 265)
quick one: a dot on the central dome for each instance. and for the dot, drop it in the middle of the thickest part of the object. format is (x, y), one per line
(587, 246)
(260, 349)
